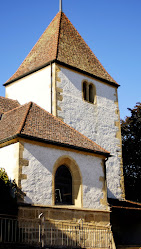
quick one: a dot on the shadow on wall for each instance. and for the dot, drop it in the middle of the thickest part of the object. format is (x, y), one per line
(75, 83)
(110, 194)
(40, 174)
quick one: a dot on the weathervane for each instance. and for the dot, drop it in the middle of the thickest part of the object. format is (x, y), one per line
(61, 5)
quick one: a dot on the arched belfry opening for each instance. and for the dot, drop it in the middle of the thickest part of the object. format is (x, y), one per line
(85, 91)
(89, 92)
(63, 186)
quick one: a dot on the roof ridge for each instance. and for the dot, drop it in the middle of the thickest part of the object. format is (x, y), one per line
(72, 128)
(31, 49)
(14, 109)
(25, 116)
(104, 70)
(55, 45)
(133, 202)
(60, 12)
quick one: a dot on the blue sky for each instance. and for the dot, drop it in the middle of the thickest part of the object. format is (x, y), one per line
(111, 28)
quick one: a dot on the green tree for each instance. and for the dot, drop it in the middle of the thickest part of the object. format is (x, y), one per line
(4, 176)
(131, 149)
(8, 194)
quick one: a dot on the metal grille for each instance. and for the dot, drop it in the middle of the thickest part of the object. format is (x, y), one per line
(53, 234)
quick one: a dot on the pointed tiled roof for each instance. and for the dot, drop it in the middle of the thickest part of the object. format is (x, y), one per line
(62, 43)
(33, 122)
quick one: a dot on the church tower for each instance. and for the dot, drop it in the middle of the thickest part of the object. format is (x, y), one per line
(63, 76)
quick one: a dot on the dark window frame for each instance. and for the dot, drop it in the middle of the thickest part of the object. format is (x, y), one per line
(63, 186)
(89, 92)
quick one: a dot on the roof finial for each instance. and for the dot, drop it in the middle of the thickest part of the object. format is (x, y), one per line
(61, 5)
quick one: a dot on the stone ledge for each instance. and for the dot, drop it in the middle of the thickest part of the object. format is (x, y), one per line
(91, 217)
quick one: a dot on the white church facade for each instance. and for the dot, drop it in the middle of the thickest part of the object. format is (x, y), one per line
(35, 144)
(59, 74)
(60, 135)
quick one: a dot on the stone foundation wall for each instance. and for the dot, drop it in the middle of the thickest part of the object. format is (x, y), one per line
(68, 215)
(67, 227)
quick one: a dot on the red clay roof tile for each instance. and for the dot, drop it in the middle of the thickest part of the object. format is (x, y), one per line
(11, 121)
(33, 122)
(62, 42)
(7, 104)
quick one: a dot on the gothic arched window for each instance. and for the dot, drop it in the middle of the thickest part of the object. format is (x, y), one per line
(63, 186)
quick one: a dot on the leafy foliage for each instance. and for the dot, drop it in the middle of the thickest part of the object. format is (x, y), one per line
(4, 176)
(131, 146)
(8, 194)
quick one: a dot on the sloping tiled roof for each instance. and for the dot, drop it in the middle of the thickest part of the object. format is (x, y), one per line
(62, 43)
(124, 204)
(7, 104)
(33, 122)
(12, 121)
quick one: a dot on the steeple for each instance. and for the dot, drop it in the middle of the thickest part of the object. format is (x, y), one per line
(60, 8)
(61, 43)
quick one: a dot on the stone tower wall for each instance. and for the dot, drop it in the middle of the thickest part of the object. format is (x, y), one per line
(99, 121)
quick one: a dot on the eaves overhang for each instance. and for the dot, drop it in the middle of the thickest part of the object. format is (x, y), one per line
(126, 208)
(32, 138)
(67, 66)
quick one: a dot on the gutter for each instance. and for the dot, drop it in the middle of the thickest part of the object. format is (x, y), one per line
(8, 139)
(32, 138)
(67, 66)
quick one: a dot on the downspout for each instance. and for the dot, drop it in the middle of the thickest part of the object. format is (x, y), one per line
(106, 159)
(105, 176)
(51, 85)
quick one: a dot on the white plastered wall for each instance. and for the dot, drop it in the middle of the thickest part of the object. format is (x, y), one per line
(38, 185)
(9, 160)
(35, 87)
(96, 121)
